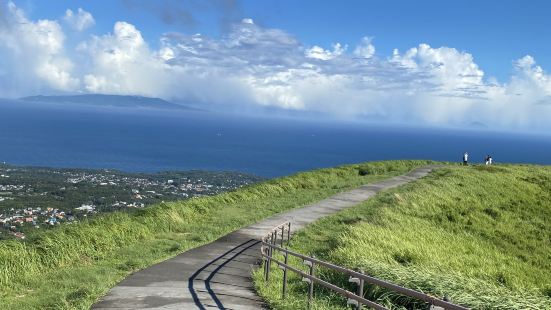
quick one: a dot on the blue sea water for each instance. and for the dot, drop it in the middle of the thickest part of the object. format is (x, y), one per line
(152, 140)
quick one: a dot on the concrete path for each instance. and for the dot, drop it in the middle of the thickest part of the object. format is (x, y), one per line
(218, 275)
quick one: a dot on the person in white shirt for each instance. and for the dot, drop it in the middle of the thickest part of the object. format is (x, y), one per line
(465, 158)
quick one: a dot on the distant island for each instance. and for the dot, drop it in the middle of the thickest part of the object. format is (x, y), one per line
(108, 101)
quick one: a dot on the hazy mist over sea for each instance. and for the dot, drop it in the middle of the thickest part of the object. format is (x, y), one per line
(155, 140)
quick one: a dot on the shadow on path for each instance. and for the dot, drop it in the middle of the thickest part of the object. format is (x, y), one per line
(225, 259)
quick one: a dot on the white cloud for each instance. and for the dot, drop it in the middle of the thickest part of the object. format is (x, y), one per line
(122, 63)
(254, 65)
(452, 72)
(365, 49)
(317, 52)
(34, 54)
(530, 73)
(80, 21)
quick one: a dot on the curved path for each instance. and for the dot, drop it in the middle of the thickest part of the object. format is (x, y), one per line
(218, 275)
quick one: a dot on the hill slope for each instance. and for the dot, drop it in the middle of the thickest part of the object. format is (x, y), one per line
(479, 235)
(72, 266)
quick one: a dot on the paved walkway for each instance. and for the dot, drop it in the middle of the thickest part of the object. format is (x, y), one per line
(218, 275)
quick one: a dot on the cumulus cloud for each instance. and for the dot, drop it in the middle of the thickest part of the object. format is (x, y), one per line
(122, 63)
(531, 77)
(81, 20)
(451, 72)
(317, 52)
(365, 49)
(254, 65)
(33, 54)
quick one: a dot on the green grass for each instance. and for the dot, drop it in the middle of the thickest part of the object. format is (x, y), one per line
(74, 265)
(479, 235)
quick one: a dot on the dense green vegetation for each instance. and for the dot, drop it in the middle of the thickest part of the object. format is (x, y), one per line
(479, 235)
(73, 265)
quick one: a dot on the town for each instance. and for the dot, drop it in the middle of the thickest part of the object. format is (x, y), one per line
(40, 198)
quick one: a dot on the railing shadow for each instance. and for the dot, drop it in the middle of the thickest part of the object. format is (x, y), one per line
(224, 260)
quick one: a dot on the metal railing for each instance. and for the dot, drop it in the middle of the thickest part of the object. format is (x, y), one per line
(270, 244)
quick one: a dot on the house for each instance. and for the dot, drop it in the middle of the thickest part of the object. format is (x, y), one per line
(86, 207)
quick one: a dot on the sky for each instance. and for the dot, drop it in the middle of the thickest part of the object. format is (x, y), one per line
(462, 64)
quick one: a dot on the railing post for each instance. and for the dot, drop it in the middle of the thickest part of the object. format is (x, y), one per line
(266, 250)
(310, 265)
(361, 289)
(282, 236)
(289, 233)
(284, 289)
(269, 260)
(311, 290)
(361, 292)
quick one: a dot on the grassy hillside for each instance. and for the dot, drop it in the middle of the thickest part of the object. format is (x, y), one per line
(72, 266)
(480, 235)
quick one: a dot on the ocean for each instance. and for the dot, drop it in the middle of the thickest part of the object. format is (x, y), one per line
(155, 140)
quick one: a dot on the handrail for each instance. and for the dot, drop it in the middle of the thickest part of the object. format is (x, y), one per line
(274, 232)
(269, 243)
(329, 285)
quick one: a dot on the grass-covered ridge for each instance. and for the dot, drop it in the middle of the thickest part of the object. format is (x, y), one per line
(72, 266)
(480, 235)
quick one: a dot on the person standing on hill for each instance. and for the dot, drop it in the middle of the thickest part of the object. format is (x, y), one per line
(487, 159)
(466, 159)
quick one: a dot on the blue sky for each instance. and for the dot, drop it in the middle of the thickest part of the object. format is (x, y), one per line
(458, 64)
(495, 32)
